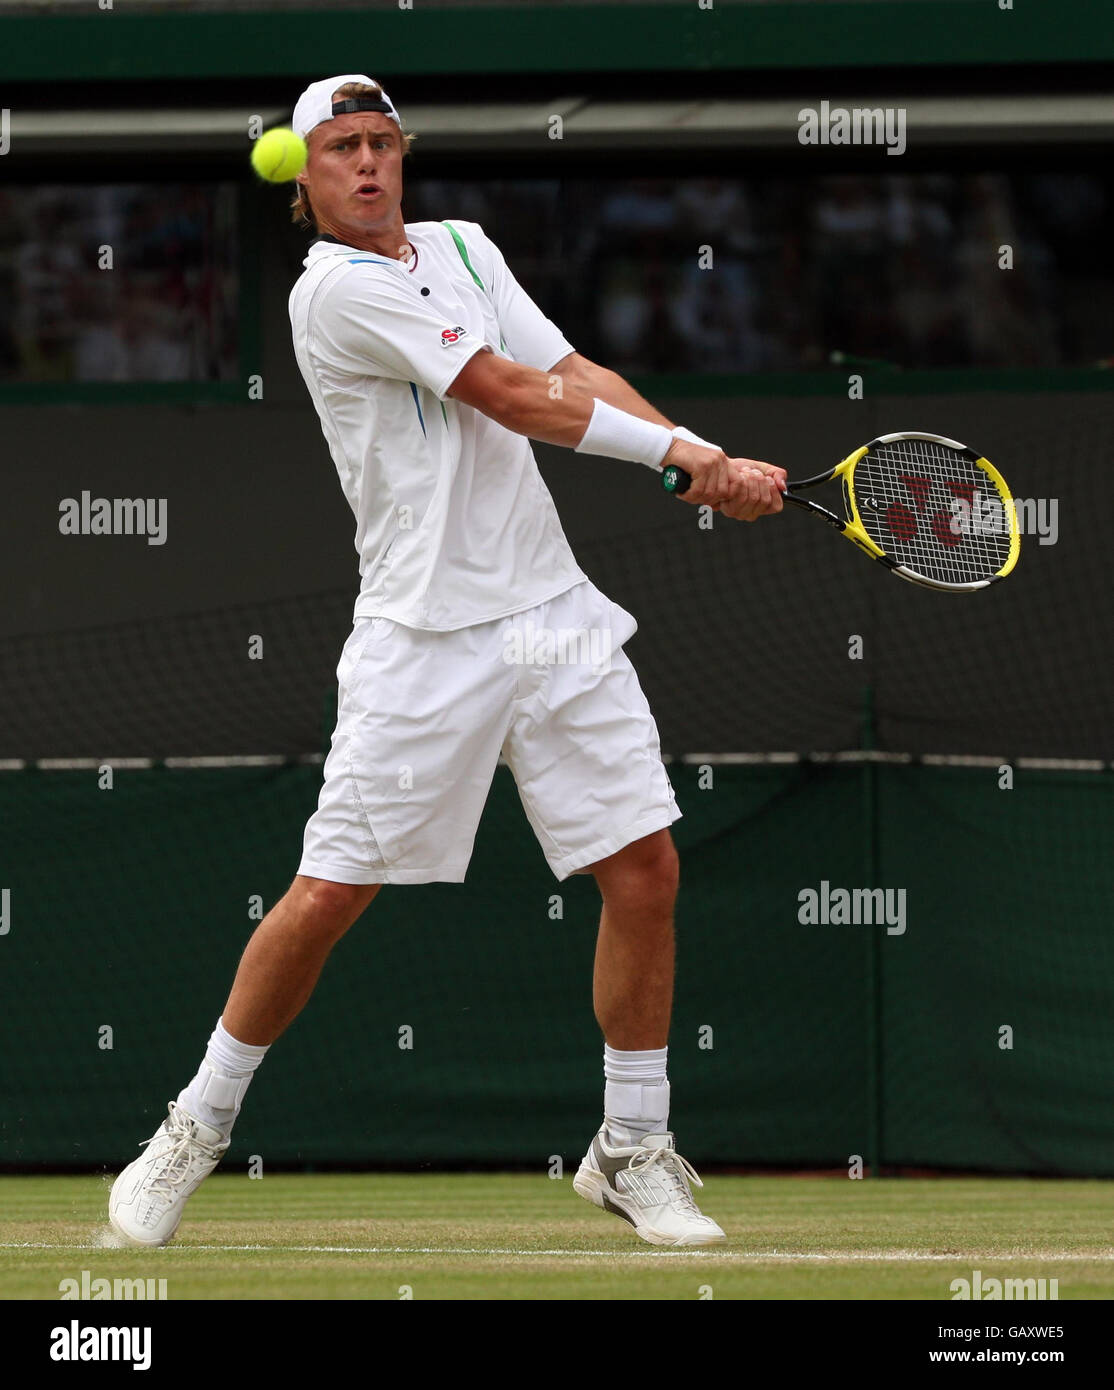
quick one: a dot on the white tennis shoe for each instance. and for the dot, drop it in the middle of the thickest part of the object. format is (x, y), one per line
(149, 1196)
(649, 1186)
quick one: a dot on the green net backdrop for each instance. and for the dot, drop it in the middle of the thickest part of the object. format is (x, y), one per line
(129, 908)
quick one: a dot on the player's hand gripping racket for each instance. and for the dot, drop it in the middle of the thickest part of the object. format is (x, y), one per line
(928, 508)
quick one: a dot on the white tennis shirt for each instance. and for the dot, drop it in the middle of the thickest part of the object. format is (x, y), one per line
(454, 525)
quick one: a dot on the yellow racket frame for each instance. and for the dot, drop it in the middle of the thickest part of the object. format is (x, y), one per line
(856, 532)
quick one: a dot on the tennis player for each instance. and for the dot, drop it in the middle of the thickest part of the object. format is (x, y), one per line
(431, 369)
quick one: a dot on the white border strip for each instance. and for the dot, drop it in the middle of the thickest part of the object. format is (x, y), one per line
(862, 756)
(848, 756)
(859, 755)
(146, 764)
(248, 760)
(970, 760)
(1063, 764)
(92, 764)
(736, 759)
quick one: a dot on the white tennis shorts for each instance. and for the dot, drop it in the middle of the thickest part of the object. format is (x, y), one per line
(422, 718)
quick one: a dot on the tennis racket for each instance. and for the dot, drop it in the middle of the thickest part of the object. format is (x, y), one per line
(931, 510)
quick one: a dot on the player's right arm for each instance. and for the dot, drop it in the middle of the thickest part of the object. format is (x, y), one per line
(372, 321)
(524, 400)
(534, 341)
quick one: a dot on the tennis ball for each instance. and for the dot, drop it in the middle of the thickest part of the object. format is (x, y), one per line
(279, 156)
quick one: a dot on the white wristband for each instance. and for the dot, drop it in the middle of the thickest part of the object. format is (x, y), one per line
(679, 432)
(618, 435)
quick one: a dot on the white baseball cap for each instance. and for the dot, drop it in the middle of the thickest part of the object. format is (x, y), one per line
(316, 103)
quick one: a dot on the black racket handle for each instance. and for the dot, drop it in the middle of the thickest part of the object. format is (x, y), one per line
(678, 482)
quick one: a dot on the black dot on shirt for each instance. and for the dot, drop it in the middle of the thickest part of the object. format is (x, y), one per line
(424, 290)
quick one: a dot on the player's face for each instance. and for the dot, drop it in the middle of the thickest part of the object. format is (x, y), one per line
(354, 174)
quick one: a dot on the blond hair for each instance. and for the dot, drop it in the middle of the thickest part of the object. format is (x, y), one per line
(301, 209)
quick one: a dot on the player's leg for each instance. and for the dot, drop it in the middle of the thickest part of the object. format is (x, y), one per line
(276, 976)
(632, 1167)
(586, 758)
(419, 726)
(632, 986)
(286, 953)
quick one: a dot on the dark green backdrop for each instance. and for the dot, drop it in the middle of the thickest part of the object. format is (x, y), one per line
(129, 908)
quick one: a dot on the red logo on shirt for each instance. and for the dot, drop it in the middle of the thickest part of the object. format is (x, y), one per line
(451, 335)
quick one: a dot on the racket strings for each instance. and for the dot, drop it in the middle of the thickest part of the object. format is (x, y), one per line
(933, 510)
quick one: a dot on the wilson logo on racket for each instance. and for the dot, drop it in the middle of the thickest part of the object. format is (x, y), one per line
(930, 509)
(452, 335)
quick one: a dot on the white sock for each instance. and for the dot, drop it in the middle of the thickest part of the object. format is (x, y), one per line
(215, 1094)
(635, 1095)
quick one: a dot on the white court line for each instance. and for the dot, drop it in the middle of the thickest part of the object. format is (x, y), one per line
(875, 1256)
